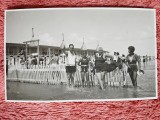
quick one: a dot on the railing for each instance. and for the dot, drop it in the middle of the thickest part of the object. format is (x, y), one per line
(56, 74)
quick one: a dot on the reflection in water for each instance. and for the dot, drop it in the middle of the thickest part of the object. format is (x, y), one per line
(30, 91)
(27, 91)
(135, 93)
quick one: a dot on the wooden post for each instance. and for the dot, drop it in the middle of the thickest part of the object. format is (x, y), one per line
(38, 52)
(26, 56)
(49, 53)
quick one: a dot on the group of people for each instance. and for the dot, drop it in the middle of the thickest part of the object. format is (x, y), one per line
(102, 64)
(99, 64)
(145, 60)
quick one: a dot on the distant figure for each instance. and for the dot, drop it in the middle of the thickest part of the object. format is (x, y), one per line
(41, 60)
(30, 61)
(132, 59)
(115, 57)
(123, 58)
(22, 62)
(22, 52)
(144, 62)
(62, 58)
(54, 60)
(34, 61)
(150, 59)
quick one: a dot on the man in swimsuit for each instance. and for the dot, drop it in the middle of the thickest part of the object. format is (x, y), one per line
(71, 65)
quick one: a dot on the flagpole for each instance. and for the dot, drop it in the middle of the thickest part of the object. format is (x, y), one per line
(32, 32)
(63, 36)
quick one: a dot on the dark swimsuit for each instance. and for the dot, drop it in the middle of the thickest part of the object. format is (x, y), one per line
(144, 60)
(109, 67)
(99, 64)
(84, 61)
(132, 64)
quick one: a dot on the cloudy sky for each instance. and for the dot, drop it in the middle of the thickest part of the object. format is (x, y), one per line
(115, 29)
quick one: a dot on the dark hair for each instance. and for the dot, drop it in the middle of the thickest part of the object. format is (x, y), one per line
(71, 45)
(117, 53)
(123, 55)
(131, 49)
(60, 51)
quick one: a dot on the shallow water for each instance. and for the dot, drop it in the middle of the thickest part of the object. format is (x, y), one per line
(30, 91)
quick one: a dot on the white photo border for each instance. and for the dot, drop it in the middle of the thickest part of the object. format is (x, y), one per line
(88, 100)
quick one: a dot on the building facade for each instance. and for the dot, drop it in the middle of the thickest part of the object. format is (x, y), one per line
(14, 49)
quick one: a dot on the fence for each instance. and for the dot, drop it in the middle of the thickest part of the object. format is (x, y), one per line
(56, 74)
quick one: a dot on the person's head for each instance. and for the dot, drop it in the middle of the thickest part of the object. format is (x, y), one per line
(97, 54)
(108, 59)
(123, 55)
(84, 53)
(71, 47)
(117, 53)
(131, 49)
(100, 51)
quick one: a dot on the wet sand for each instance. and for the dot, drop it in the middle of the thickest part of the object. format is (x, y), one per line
(30, 91)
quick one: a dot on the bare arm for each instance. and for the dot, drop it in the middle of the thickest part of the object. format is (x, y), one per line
(126, 62)
(79, 62)
(66, 53)
(139, 63)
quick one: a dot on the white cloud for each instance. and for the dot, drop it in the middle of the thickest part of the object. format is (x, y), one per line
(47, 39)
(75, 39)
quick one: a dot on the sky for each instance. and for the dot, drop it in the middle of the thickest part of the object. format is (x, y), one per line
(113, 29)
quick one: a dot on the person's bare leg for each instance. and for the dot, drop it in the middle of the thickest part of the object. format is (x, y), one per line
(72, 79)
(99, 80)
(87, 79)
(103, 79)
(135, 78)
(82, 76)
(69, 77)
(131, 76)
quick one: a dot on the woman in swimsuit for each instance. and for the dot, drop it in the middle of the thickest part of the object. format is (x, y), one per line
(134, 65)
(84, 63)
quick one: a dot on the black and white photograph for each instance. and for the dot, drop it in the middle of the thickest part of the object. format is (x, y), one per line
(80, 54)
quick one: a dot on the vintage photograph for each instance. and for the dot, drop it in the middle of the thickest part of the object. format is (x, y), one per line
(80, 54)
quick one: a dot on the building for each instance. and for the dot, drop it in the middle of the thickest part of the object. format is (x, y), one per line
(14, 49)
